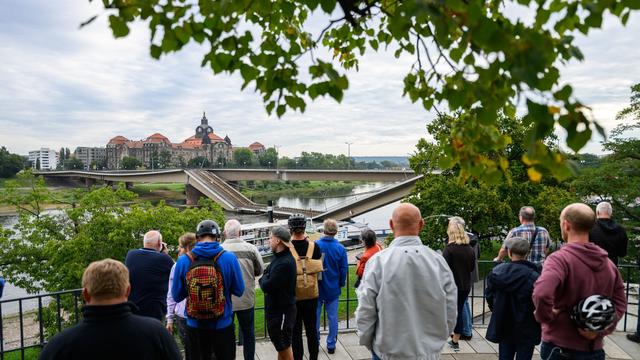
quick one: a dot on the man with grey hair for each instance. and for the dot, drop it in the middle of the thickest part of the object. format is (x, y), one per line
(607, 234)
(538, 237)
(509, 291)
(252, 266)
(149, 269)
(334, 277)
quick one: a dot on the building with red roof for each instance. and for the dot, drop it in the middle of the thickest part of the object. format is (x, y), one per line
(157, 151)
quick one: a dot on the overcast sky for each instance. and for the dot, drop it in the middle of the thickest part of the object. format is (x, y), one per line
(64, 86)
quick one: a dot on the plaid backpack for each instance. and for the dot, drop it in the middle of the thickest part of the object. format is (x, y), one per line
(205, 288)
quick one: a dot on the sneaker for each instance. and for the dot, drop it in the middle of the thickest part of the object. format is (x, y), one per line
(634, 337)
(331, 351)
(454, 345)
(465, 337)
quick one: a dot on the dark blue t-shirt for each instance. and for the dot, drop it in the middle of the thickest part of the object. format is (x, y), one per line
(149, 276)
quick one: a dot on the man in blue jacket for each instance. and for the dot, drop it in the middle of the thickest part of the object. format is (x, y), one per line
(336, 266)
(215, 335)
(1, 285)
(509, 290)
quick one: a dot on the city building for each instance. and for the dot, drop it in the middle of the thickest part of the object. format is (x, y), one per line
(158, 151)
(91, 155)
(43, 159)
(257, 148)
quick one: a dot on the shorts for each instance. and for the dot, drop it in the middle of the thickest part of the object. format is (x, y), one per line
(280, 327)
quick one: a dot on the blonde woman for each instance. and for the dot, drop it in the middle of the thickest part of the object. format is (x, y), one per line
(461, 260)
(175, 311)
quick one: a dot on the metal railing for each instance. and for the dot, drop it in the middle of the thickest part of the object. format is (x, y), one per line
(70, 314)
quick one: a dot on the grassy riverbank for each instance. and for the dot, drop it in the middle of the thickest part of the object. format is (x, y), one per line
(271, 189)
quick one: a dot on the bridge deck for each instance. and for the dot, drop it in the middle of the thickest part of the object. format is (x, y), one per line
(616, 347)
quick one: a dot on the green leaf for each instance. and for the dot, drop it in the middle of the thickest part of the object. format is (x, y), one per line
(328, 5)
(156, 51)
(118, 26)
(281, 110)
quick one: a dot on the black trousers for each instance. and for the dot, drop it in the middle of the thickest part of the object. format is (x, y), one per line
(307, 314)
(205, 342)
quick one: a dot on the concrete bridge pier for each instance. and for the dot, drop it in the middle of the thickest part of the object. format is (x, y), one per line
(193, 195)
(89, 182)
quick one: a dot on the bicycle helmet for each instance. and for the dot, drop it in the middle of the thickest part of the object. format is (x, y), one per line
(297, 221)
(594, 313)
(208, 227)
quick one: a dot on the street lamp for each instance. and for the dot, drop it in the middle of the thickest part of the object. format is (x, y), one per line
(348, 154)
(277, 147)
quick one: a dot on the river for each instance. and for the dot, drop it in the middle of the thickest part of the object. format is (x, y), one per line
(376, 219)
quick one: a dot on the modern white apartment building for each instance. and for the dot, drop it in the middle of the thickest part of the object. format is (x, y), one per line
(45, 157)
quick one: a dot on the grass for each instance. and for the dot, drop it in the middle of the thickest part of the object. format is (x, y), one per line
(146, 188)
(274, 189)
(29, 354)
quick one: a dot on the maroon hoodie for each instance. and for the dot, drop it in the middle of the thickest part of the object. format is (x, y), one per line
(575, 272)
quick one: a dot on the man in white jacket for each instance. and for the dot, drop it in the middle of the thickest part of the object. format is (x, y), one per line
(407, 300)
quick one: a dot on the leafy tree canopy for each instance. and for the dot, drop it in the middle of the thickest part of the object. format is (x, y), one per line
(470, 58)
(198, 162)
(50, 250)
(489, 210)
(10, 163)
(617, 179)
(242, 157)
(73, 164)
(130, 163)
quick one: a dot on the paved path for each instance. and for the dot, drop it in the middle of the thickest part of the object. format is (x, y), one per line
(616, 347)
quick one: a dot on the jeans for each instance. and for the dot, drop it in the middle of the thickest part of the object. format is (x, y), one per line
(506, 351)
(549, 351)
(181, 325)
(206, 342)
(467, 324)
(374, 356)
(459, 320)
(245, 320)
(331, 307)
(306, 314)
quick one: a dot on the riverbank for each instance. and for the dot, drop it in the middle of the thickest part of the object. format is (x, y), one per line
(274, 189)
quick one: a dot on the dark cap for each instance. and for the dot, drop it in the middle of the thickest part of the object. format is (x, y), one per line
(281, 233)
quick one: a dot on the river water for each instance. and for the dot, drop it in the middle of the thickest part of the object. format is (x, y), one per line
(376, 219)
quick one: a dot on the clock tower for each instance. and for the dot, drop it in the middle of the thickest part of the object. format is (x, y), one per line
(203, 130)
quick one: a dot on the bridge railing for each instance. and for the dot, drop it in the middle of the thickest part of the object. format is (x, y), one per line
(27, 330)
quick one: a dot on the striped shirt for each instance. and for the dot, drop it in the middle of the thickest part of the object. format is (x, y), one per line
(538, 245)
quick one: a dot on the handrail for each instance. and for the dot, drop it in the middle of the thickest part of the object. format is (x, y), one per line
(347, 302)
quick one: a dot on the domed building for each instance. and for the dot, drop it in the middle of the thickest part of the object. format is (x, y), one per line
(157, 150)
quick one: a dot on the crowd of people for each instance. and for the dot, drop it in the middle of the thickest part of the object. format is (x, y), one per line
(412, 300)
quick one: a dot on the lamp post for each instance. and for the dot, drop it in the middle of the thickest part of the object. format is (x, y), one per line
(348, 154)
(277, 147)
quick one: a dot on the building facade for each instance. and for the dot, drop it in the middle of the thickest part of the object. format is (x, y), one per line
(91, 155)
(43, 159)
(156, 151)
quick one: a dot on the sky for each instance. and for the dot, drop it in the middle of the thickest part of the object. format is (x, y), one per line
(65, 86)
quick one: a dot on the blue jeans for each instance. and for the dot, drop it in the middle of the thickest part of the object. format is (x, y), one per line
(467, 324)
(507, 350)
(245, 320)
(374, 356)
(549, 351)
(331, 307)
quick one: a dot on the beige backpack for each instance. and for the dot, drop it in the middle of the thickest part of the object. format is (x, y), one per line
(307, 274)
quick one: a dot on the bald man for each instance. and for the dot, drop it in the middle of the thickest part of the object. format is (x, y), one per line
(407, 300)
(149, 269)
(576, 271)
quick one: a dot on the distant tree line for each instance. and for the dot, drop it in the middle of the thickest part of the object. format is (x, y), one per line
(245, 158)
